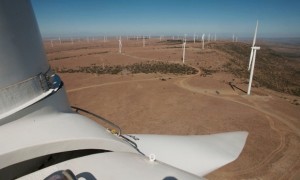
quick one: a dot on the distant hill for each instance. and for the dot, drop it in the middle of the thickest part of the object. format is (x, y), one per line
(276, 70)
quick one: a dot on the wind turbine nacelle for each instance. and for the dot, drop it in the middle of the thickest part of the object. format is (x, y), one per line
(256, 48)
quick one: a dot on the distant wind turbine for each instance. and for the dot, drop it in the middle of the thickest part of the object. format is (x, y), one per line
(183, 48)
(203, 36)
(120, 45)
(51, 43)
(194, 38)
(252, 59)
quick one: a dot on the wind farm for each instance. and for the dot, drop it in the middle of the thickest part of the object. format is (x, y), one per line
(186, 90)
(195, 90)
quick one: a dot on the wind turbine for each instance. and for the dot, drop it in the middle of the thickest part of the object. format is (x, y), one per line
(233, 38)
(120, 45)
(194, 38)
(208, 37)
(203, 35)
(252, 59)
(183, 48)
(215, 37)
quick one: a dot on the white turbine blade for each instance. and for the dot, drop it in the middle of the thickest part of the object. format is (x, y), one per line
(250, 60)
(254, 39)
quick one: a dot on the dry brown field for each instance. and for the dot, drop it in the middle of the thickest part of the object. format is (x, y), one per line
(213, 100)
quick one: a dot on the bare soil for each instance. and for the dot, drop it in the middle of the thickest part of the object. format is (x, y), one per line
(212, 101)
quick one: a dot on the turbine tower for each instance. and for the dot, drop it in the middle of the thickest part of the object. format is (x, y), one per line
(183, 48)
(252, 59)
(120, 45)
(194, 38)
(203, 35)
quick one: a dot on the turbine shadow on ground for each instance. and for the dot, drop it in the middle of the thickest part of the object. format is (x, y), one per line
(233, 87)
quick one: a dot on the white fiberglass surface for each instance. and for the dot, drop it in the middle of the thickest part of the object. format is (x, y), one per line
(199, 154)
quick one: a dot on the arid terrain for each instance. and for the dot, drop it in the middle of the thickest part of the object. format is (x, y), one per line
(147, 90)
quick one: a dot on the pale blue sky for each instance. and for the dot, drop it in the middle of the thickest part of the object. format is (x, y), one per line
(277, 18)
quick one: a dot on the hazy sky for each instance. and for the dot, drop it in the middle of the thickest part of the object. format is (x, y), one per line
(277, 18)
